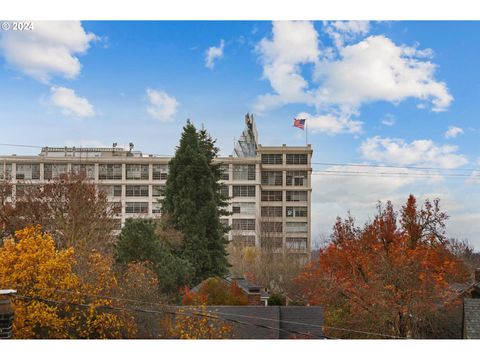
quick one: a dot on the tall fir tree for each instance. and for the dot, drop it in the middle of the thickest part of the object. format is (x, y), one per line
(193, 203)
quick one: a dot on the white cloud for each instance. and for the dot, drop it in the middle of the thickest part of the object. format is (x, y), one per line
(214, 53)
(388, 120)
(344, 31)
(293, 43)
(161, 105)
(376, 69)
(453, 131)
(345, 78)
(69, 103)
(50, 49)
(418, 152)
(330, 124)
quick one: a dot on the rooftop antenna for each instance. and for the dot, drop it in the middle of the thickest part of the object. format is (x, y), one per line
(130, 146)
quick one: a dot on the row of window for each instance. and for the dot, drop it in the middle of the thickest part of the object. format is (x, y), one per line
(291, 159)
(266, 195)
(268, 226)
(292, 243)
(105, 171)
(132, 190)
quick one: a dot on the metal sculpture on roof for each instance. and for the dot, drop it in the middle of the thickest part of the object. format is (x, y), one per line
(246, 145)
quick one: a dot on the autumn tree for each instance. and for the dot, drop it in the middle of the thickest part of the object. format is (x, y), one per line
(389, 277)
(53, 300)
(270, 265)
(214, 291)
(71, 208)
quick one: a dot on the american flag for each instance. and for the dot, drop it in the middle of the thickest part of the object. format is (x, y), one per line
(300, 123)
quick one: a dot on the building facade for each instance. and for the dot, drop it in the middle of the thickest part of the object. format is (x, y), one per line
(269, 186)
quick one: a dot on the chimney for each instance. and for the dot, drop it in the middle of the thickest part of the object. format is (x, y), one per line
(6, 314)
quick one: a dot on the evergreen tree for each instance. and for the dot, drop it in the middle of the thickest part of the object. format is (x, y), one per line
(193, 203)
(140, 242)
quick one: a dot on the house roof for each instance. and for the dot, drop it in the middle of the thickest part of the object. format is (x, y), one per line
(246, 286)
(471, 318)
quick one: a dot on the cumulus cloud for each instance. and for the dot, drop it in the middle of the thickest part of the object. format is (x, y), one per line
(331, 124)
(293, 43)
(345, 78)
(453, 132)
(70, 103)
(161, 105)
(344, 31)
(376, 69)
(418, 152)
(51, 49)
(214, 53)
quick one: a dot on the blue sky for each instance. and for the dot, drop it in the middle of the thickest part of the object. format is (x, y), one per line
(382, 93)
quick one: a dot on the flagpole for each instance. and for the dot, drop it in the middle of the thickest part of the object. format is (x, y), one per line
(306, 133)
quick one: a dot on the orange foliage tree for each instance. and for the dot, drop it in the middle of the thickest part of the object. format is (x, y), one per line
(390, 277)
(214, 291)
(54, 301)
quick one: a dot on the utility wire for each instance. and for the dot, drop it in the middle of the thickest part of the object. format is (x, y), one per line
(188, 313)
(224, 313)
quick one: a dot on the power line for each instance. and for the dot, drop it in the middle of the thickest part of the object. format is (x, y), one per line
(223, 313)
(149, 311)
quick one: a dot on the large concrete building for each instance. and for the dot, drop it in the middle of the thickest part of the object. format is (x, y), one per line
(269, 186)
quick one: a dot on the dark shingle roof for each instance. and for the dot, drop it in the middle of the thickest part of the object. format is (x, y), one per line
(471, 318)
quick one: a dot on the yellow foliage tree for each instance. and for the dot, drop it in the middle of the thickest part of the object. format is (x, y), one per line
(51, 301)
(195, 322)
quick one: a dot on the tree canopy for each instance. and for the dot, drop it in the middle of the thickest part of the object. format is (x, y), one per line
(389, 277)
(193, 203)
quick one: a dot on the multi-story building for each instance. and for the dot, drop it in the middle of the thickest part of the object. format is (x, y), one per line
(269, 186)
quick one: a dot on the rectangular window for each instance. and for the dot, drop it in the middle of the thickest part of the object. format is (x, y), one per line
(224, 190)
(270, 226)
(243, 172)
(156, 207)
(296, 227)
(296, 243)
(224, 175)
(159, 171)
(110, 171)
(243, 191)
(271, 211)
(243, 240)
(243, 208)
(136, 172)
(243, 224)
(297, 178)
(111, 190)
(296, 159)
(272, 242)
(87, 169)
(272, 178)
(28, 172)
(157, 190)
(296, 196)
(5, 172)
(54, 171)
(272, 159)
(136, 190)
(296, 211)
(271, 196)
(136, 207)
